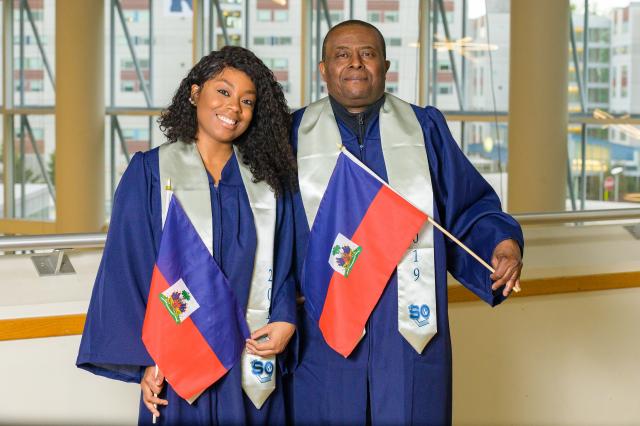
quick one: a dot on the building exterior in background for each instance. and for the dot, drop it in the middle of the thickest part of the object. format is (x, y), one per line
(625, 95)
(274, 34)
(34, 134)
(487, 87)
(625, 62)
(273, 30)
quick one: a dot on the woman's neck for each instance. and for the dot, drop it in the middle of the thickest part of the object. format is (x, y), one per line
(214, 156)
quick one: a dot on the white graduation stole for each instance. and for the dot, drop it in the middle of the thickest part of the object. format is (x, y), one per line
(181, 163)
(408, 172)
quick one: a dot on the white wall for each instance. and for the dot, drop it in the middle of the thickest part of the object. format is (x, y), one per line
(562, 359)
(556, 359)
(41, 385)
(569, 359)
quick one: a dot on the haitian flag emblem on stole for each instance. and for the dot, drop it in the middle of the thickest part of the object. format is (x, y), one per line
(344, 255)
(179, 301)
(364, 241)
(194, 327)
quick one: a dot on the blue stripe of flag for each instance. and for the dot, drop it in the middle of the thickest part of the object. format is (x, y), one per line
(183, 254)
(344, 204)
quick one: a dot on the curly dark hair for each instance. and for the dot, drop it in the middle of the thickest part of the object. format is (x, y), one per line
(265, 144)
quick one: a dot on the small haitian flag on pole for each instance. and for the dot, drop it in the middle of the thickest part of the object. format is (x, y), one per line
(194, 328)
(361, 231)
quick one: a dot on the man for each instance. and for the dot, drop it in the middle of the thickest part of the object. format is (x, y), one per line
(400, 371)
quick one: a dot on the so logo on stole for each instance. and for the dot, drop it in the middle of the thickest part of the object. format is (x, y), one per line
(262, 370)
(420, 314)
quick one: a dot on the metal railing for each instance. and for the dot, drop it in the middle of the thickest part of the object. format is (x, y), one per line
(52, 241)
(97, 240)
(577, 216)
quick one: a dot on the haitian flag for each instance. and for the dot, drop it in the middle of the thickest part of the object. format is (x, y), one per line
(194, 328)
(360, 233)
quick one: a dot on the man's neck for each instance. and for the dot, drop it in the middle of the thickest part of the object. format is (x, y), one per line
(352, 120)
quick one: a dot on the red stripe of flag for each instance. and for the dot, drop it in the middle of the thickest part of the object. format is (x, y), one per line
(181, 352)
(384, 235)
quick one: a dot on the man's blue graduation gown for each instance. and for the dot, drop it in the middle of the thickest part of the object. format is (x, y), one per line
(384, 381)
(111, 343)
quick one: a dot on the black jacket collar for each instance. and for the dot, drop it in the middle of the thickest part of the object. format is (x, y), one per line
(351, 120)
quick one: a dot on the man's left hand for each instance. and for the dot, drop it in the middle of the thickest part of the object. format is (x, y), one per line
(507, 262)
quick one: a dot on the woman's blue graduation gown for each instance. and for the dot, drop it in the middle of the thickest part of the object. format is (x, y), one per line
(111, 343)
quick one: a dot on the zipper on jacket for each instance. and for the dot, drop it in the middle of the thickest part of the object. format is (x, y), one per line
(361, 130)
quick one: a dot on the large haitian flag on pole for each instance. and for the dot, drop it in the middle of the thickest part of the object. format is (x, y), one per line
(360, 233)
(194, 328)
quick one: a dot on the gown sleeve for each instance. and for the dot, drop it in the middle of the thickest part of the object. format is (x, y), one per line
(469, 208)
(111, 344)
(283, 298)
(298, 241)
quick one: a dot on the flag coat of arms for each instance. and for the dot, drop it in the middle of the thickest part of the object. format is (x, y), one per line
(360, 233)
(194, 328)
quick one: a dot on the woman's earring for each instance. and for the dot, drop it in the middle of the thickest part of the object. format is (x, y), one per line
(191, 101)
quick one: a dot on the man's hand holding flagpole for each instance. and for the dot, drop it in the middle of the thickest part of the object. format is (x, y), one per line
(516, 287)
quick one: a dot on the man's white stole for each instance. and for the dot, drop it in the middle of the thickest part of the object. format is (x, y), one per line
(181, 163)
(407, 167)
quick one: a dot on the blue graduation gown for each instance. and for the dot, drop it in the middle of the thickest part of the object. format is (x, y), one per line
(384, 381)
(111, 343)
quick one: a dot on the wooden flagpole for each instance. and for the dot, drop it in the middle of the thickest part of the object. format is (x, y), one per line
(344, 150)
(516, 288)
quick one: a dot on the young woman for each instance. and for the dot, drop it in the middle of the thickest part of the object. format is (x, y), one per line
(227, 156)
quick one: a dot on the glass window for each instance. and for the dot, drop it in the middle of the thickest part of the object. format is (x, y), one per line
(336, 16)
(33, 167)
(599, 35)
(286, 86)
(264, 15)
(444, 66)
(445, 89)
(280, 64)
(128, 86)
(272, 41)
(33, 81)
(234, 40)
(599, 96)
(128, 64)
(393, 41)
(136, 15)
(600, 55)
(485, 144)
(280, 15)
(233, 19)
(391, 16)
(598, 75)
(450, 17)
(35, 85)
(482, 61)
(137, 133)
(169, 43)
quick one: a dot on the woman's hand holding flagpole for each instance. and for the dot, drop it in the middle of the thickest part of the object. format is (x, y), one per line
(153, 420)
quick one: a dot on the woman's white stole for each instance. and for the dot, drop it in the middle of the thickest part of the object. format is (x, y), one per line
(181, 164)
